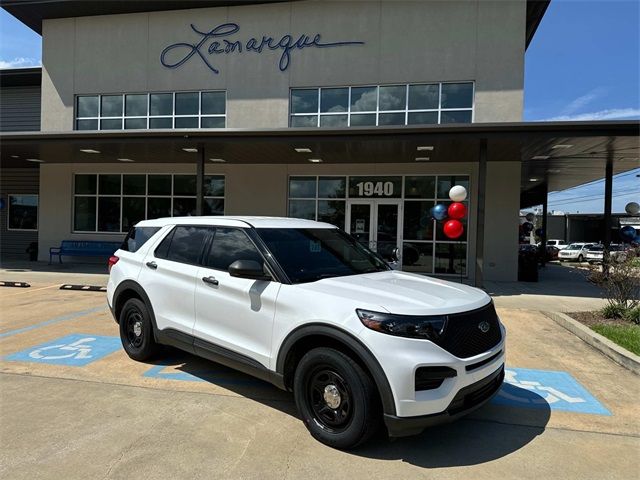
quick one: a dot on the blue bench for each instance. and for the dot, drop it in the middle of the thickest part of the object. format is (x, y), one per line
(83, 248)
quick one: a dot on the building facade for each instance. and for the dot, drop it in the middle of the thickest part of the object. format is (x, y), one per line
(288, 65)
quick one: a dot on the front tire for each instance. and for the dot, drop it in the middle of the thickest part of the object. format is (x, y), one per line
(136, 331)
(336, 398)
(580, 258)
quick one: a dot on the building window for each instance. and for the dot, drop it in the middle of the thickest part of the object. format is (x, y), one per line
(413, 104)
(23, 212)
(113, 203)
(151, 111)
(425, 248)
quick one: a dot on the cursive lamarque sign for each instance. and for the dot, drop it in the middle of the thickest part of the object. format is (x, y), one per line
(212, 43)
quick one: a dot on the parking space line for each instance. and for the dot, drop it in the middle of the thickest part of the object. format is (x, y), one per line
(62, 318)
(31, 290)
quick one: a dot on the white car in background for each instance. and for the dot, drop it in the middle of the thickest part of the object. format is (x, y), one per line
(559, 244)
(575, 252)
(596, 253)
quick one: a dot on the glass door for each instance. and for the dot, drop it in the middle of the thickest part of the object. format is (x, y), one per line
(376, 224)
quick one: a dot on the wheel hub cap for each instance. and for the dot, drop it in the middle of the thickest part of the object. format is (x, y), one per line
(137, 329)
(332, 396)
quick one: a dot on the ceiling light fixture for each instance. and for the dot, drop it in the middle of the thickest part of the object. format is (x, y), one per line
(315, 160)
(190, 150)
(218, 160)
(554, 170)
(15, 156)
(125, 160)
(37, 160)
(303, 150)
(89, 150)
(425, 148)
(540, 157)
(562, 145)
(423, 159)
(532, 179)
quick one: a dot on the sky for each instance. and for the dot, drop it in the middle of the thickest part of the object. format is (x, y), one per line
(583, 64)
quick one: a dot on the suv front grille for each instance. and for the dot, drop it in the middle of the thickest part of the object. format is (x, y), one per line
(464, 335)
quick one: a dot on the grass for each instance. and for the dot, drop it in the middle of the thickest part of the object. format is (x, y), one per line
(627, 336)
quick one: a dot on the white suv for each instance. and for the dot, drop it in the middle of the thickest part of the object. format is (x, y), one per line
(304, 306)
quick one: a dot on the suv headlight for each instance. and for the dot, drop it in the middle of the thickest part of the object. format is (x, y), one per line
(412, 326)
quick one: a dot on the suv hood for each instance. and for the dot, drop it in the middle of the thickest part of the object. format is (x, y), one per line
(402, 293)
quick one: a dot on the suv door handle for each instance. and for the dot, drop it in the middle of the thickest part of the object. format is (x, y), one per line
(152, 265)
(210, 280)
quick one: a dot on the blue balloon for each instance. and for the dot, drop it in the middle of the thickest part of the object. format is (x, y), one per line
(439, 212)
(627, 233)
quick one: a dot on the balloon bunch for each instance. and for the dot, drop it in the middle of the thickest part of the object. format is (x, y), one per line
(453, 227)
(628, 234)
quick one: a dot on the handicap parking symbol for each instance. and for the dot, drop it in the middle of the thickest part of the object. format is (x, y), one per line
(74, 350)
(547, 389)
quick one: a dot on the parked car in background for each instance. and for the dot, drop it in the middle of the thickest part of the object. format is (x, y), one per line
(596, 253)
(575, 252)
(552, 253)
(559, 244)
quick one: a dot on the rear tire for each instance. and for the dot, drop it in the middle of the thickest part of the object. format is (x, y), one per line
(136, 331)
(336, 399)
(580, 259)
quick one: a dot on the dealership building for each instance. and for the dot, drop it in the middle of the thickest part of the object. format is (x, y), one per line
(358, 113)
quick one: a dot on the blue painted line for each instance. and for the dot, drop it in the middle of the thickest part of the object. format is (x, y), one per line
(211, 376)
(62, 318)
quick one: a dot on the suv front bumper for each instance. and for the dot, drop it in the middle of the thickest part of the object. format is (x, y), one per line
(466, 401)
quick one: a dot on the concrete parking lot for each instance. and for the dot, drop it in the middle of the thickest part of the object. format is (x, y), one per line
(73, 405)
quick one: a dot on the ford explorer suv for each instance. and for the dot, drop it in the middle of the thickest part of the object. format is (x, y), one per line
(575, 252)
(303, 305)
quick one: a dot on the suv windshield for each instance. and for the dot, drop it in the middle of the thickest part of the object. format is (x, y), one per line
(309, 254)
(575, 246)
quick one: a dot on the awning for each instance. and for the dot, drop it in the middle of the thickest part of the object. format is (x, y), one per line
(554, 155)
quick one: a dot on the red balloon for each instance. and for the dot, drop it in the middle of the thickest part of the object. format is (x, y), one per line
(457, 210)
(453, 229)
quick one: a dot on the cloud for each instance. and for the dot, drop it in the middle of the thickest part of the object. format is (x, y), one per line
(584, 100)
(608, 114)
(20, 62)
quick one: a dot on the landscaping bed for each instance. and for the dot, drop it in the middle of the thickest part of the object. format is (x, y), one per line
(620, 331)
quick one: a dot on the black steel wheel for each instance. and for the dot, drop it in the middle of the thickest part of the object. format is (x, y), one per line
(336, 398)
(136, 330)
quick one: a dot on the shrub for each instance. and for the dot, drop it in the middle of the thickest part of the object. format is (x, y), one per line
(613, 310)
(633, 315)
(620, 281)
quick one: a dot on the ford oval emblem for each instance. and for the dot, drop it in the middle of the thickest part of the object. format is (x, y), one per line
(484, 326)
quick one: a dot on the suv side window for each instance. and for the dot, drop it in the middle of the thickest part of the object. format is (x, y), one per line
(184, 244)
(229, 245)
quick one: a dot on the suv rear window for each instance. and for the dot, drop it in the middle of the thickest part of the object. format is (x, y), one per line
(137, 237)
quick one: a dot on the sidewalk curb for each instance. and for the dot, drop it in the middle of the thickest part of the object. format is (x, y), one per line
(616, 353)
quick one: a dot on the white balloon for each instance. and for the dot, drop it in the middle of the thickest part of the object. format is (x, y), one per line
(458, 193)
(632, 208)
(530, 216)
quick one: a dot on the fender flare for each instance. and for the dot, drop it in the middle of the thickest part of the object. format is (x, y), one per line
(136, 287)
(352, 342)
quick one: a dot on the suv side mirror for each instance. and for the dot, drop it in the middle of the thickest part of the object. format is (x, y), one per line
(248, 269)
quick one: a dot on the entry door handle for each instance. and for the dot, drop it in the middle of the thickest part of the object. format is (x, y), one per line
(152, 265)
(210, 280)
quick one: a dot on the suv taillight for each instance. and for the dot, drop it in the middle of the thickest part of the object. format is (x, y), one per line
(112, 261)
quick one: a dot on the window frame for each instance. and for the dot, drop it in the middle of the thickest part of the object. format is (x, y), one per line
(435, 199)
(9, 195)
(122, 196)
(148, 117)
(406, 111)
